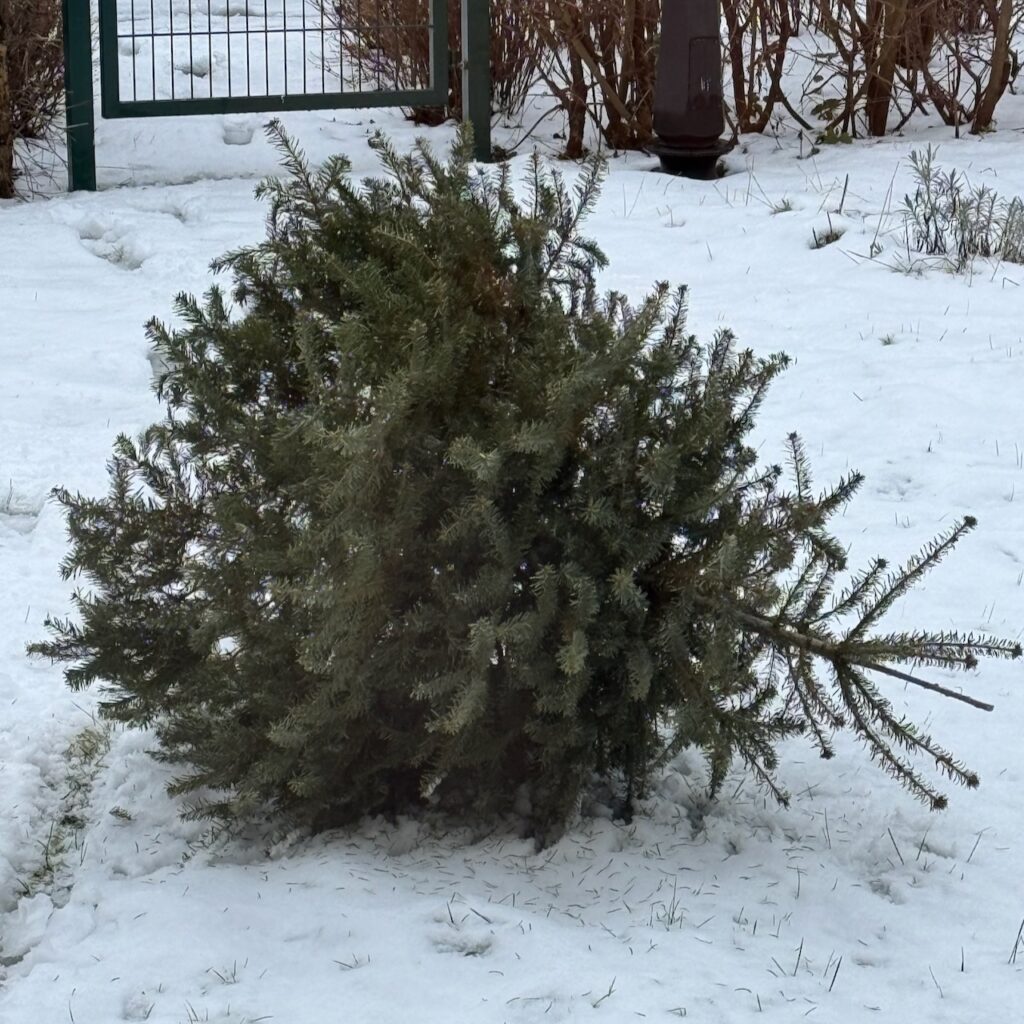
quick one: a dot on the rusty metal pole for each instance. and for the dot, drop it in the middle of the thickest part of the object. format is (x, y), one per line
(689, 116)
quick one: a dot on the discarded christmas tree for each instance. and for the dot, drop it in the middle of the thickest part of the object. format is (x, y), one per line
(430, 519)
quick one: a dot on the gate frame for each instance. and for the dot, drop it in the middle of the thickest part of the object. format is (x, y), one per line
(79, 99)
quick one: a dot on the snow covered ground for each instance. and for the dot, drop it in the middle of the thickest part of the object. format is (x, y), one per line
(854, 904)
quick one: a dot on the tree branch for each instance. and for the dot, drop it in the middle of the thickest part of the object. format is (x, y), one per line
(834, 653)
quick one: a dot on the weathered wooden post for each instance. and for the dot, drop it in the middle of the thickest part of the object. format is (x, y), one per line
(689, 117)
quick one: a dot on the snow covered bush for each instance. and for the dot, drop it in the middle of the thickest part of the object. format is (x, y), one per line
(949, 218)
(429, 520)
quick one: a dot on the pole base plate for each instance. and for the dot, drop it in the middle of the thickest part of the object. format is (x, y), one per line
(696, 160)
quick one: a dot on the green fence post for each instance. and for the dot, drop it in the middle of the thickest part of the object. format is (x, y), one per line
(81, 126)
(476, 74)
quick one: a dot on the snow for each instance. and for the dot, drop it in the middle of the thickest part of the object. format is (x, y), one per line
(855, 903)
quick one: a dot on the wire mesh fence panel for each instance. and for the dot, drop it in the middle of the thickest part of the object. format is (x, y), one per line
(166, 57)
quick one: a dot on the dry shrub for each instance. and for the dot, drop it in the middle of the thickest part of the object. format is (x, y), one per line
(31, 78)
(866, 65)
(757, 38)
(388, 40)
(882, 60)
(603, 58)
(870, 63)
(597, 58)
(975, 61)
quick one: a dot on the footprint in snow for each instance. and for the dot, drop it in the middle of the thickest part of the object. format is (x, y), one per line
(112, 244)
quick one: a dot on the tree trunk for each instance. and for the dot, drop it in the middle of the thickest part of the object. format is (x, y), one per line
(999, 73)
(736, 63)
(577, 113)
(892, 18)
(6, 120)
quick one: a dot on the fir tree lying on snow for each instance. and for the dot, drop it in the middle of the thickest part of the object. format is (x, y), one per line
(431, 519)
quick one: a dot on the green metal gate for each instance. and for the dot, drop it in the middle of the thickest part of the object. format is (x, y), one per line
(166, 58)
